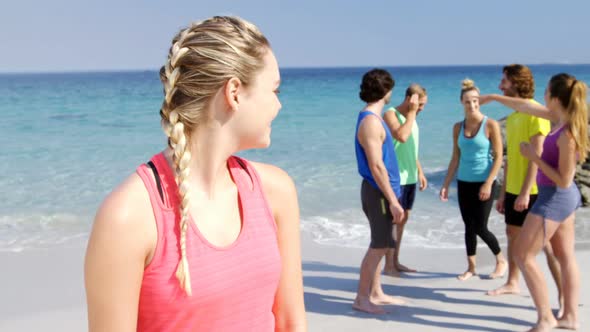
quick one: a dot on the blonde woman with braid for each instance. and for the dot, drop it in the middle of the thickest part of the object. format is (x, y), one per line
(199, 239)
(551, 219)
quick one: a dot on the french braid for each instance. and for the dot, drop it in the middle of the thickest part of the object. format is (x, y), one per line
(202, 58)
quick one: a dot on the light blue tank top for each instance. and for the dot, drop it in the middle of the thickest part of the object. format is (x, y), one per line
(388, 155)
(476, 160)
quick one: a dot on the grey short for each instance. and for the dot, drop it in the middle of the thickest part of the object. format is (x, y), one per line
(376, 208)
(556, 203)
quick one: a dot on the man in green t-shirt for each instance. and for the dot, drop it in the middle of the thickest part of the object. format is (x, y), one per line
(401, 120)
(519, 189)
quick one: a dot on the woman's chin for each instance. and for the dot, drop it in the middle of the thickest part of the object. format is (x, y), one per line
(263, 143)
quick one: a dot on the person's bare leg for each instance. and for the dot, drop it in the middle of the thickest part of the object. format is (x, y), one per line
(555, 269)
(470, 269)
(399, 233)
(367, 273)
(389, 269)
(501, 267)
(377, 294)
(563, 244)
(511, 285)
(392, 254)
(530, 243)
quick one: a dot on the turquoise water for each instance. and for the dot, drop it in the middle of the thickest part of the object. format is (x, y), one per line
(68, 139)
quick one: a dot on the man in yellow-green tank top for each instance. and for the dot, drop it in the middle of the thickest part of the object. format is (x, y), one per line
(401, 121)
(519, 190)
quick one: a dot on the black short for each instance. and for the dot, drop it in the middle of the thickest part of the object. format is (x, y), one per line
(376, 208)
(513, 217)
(408, 195)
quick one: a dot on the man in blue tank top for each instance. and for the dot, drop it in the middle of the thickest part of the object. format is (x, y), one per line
(380, 189)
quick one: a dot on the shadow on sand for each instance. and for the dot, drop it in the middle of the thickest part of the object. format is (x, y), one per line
(319, 302)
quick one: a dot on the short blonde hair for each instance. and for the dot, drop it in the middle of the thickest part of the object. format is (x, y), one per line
(416, 88)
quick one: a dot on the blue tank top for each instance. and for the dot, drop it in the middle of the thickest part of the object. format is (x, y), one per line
(475, 162)
(388, 154)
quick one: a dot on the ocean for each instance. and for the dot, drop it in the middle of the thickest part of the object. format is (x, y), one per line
(69, 138)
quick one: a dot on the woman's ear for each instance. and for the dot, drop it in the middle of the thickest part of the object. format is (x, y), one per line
(232, 90)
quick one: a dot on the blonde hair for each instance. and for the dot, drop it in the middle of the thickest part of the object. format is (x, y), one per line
(572, 95)
(466, 86)
(578, 111)
(416, 88)
(202, 58)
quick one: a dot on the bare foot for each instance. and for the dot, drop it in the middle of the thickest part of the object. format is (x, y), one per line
(466, 275)
(403, 268)
(568, 323)
(501, 268)
(387, 299)
(391, 272)
(544, 325)
(365, 305)
(504, 289)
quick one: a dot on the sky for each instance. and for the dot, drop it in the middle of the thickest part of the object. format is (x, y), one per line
(80, 35)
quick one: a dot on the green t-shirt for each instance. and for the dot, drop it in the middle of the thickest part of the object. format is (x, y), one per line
(521, 127)
(407, 153)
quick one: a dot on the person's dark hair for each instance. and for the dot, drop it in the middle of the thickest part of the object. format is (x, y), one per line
(521, 78)
(376, 84)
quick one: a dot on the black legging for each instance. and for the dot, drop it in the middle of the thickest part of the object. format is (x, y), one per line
(475, 215)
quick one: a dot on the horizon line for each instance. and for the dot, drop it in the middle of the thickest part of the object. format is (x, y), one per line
(135, 70)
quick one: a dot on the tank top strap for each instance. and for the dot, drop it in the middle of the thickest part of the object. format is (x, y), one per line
(559, 130)
(462, 129)
(167, 180)
(146, 175)
(159, 208)
(245, 176)
(482, 127)
(250, 187)
(400, 118)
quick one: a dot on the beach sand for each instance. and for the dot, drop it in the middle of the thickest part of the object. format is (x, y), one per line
(42, 290)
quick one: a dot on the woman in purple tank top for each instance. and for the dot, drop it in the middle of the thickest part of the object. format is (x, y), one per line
(552, 216)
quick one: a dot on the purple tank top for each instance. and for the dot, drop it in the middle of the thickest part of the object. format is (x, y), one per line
(550, 155)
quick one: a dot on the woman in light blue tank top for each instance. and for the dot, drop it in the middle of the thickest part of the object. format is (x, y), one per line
(477, 158)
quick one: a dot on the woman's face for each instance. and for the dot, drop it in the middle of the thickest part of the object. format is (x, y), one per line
(470, 101)
(550, 101)
(259, 106)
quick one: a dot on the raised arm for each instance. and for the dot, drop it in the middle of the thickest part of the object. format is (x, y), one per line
(453, 164)
(402, 132)
(521, 105)
(279, 189)
(120, 244)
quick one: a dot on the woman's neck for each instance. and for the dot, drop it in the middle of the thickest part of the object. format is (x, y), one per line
(563, 119)
(473, 117)
(210, 148)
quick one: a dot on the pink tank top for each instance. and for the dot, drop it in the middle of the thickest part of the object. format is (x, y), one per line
(233, 288)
